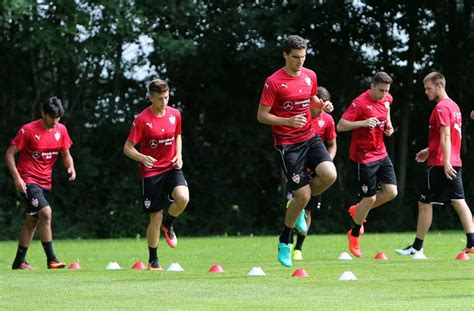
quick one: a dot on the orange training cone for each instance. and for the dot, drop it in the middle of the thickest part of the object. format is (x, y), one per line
(216, 268)
(139, 266)
(300, 272)
(381, 256)
(74, 266)
(462, 256)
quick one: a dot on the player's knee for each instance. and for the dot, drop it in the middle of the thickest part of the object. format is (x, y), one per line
(392, 193)
(45, 215)
(182, 200)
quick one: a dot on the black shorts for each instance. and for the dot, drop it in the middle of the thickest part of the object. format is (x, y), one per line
(438, 189)
(36, 198)
(369, 175)
(156, 190)
(300, 160)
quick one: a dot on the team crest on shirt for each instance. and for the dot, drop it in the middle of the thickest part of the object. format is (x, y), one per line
(321, 123)
(172, 119)
(147, 203)
(387, 104)
(296, 178)
(307, 80)
(34, 202)
(57, 136)
(365, 188)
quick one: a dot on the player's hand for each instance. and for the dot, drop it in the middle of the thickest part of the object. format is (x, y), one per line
(449, 171)
(388, 129)
(371, 122)
(328, 106)
(148, 161)
(422, 155)
(72, 172)
(177, 162)
(297, 121)
(20, 185)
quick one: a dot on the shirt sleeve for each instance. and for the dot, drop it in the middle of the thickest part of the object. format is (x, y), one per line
(269, 94)
(136, 131)
(443, 116)
(66, 141)
(178, 124)
(352, 112)
(21, 139)
(314, 91)
(330, 131)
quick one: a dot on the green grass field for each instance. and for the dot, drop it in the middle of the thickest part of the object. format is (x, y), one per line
(441, 282)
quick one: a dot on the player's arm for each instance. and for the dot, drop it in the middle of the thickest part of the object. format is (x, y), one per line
(332, 148)
(69, 164)
(445, 142)
(345, 125)
(266, 117)
(20, 185)
(388, 126)
(472, 114)
(130, 151)
(318, 105)
(178, 158)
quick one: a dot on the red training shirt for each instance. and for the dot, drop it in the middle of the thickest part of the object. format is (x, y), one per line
(289, 96)
(367, 144)
(38, 150)
(157, 138)
(324, 126)
(445, 113)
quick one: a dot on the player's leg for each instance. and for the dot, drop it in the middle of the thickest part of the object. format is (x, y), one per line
(326, 175)
(313, 204)
(26, 236)
(153, 238)
(465, 216)
(387, 181)
(46, 237)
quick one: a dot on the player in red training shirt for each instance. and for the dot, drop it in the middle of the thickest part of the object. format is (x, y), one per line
(368, 117)
(324, 126)
(285, 104)
(39, 143)
(158, 131)
(442, 182)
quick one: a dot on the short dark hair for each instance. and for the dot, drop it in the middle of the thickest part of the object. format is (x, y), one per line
(435, 78)
(382, 77)
(294, 42)
(53, 107)
(158, 86)
(323, 93)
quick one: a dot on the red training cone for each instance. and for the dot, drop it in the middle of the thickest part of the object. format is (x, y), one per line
(462, 256)
(216, 268)
(300, 272)
(139, 266)
(381, 256)
(74, 266)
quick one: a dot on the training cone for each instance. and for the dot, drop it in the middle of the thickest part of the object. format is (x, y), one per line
(419, 255)
(347, 276)
(344, 256)
(139, 266)
(113, 266)
(300, 272)
(175, 267)
(462, 256)
(381, 256)
(256, 271)
(74, 266)
(216, 268)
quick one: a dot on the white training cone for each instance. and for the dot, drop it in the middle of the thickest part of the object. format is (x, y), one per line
(347, 276)
(419, 255)
(344, 256)
(256, 271)
(113, 266)
(175, 267)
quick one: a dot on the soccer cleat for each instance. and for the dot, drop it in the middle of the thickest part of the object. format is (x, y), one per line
(297, 255)
(154, 266)
(56, 264)
(284, 254)
(407, 251)
(352, 212)
(22, 266)
(354, 244)
(170, 236)
(469, 250)
(301, 224)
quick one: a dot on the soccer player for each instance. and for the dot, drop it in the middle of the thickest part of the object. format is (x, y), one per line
(285, 105)
(158, 131)
(368, 117)
(442, 182)
(324, 125)
(39, 143)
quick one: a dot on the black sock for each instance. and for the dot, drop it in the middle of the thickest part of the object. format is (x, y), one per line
(48, 249)
(356, 229)
(152, 253)
(299, 241)
(286, 235)
(418, 244)
(20, 254)
(313, 203)
(168, 221)
(470, 239)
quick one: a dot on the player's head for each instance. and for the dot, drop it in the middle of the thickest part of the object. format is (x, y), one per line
(434, 84)
(159, 92)
(51, 111)
(323, 93)
(294, 52)
(380, 85)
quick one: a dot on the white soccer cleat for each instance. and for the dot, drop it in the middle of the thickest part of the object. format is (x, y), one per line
(408, 251)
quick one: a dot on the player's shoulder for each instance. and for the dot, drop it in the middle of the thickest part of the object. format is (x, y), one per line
(388, 97)
(326, 116)
(276, 76)
(173, 110)
(308, 72)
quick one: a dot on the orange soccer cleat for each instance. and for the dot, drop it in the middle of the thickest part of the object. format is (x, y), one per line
(352, 212)
(354, 245)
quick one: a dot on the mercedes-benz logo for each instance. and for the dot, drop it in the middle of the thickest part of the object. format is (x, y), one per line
(288, 105)
(153, 143)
